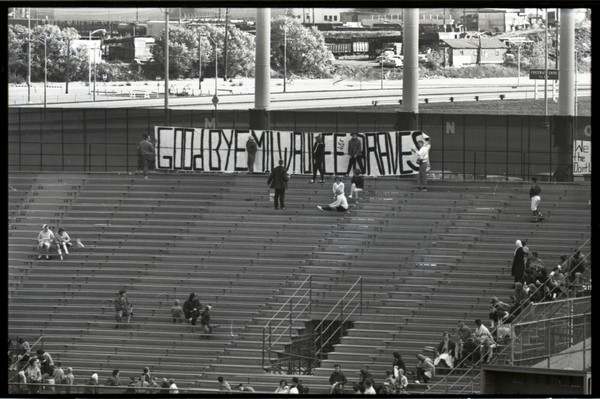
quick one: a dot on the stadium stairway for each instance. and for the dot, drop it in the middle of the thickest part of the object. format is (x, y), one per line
(427, 260)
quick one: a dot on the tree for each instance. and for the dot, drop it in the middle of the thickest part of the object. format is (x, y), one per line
(184, 44)
(57, 56)
(307, 54)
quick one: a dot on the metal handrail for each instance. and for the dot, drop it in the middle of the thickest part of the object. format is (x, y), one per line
(340, 304)
(267, 342)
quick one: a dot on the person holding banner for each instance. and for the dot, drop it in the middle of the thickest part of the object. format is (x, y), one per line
(318, 158)
(355, 154)
(146, 150)
(251, 149)
(422, 153)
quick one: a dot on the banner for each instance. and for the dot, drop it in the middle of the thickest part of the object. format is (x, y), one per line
(224, 150)
(582, 157)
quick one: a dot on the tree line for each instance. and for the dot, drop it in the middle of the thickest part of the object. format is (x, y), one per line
(304, 51)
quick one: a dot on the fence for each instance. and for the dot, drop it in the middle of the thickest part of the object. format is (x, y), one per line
(463, 146)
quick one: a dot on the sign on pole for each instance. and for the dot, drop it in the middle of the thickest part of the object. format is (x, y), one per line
(539, 74)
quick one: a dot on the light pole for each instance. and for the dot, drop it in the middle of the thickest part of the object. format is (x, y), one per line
(45, 66)
(284, 57)
(199, 67)
(29, 56)
(90, 61)
(215, 99)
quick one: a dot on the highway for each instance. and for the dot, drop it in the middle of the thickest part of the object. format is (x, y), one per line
(305, 95)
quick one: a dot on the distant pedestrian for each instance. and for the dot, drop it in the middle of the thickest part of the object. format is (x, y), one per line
(146, 149)
(534, 195)
(251, 149)
(318, 156)
(278, 180)
(123, 309)
(355, 153)
(422, 154)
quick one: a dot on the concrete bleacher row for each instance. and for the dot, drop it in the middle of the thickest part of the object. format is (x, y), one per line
(427, 260)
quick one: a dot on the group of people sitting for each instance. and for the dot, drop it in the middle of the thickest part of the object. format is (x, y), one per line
(191, 311)
(533, 282)
(48, 240)
(37, 373)
(340, 202)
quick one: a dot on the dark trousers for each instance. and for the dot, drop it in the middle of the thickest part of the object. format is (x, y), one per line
(147, 163)
(279, 199)
(251, 163)
(352, 164)
(339, 208)
(318, 165)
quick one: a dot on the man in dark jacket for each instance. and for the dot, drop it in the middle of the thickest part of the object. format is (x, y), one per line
(355, 153)
(278, 180)
(146, 152)
(337, 380)
(318, 158)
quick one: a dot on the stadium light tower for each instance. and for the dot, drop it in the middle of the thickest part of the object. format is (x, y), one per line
(90, 61)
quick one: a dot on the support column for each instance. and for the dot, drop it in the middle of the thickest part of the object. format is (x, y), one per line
(563, 127)
(410, 44)
(259, 115)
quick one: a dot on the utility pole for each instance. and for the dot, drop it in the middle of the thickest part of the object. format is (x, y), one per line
(29, 55)
(166, 60)
(546, 64)
(225, 45)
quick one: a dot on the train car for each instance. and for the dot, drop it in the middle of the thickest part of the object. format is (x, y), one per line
(360, 47)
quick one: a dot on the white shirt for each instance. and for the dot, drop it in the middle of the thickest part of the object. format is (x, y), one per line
(294, 390)
(63, 237)
(338, 186)
(370, 391)
(173, 388)
(45, 236)
(423, 152)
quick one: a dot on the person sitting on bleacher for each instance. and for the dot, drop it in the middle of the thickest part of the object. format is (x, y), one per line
(520, 301)
(205, 320)
(486, 341)
(498, 311)
(536, 292)
(557, 282)
(425, 369)
(445, 352)
(191, 309)
(577, 265)
(64, 241)
(177, 312)
(45, 241)
(337, 380)
(365, 378)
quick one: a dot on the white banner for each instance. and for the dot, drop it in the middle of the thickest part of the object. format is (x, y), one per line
(582, 157)
(224, 150)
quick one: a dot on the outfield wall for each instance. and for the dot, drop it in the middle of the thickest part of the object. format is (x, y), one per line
(472, 146)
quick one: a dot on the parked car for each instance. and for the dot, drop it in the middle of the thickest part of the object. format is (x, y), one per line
(392, 62)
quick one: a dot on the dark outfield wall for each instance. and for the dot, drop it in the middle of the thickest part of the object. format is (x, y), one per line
(99, 140)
